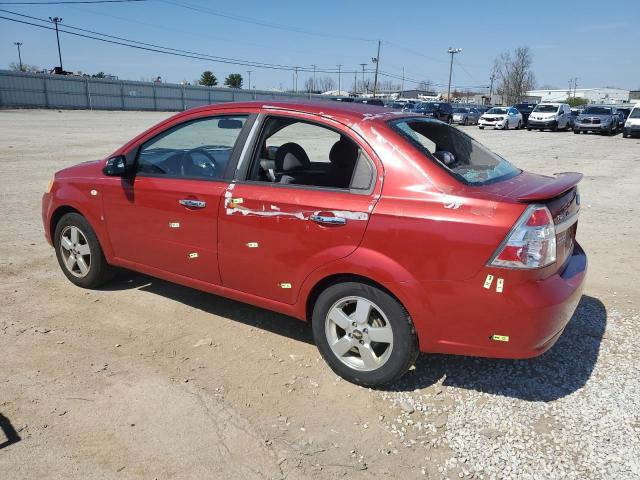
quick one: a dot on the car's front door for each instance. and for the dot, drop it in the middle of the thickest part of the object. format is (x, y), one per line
(165, 216)
(282, 221)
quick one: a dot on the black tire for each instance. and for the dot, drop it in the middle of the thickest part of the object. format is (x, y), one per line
(576, 132)
(529, 129)
(99, 271)
(480, 127)
(625, 135)
(404, 349)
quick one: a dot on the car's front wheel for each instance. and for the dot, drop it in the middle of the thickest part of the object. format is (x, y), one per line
(364, 334)
(79, 253)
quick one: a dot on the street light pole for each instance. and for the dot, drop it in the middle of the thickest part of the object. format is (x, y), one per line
(363, 87)
(18, 44)
(452, 51)
(56, 21)
(313, 83)
(339, 89)
(249, 74)
(295, 82)
(375, 78)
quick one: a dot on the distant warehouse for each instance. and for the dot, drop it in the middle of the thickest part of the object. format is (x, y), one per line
(593, 95)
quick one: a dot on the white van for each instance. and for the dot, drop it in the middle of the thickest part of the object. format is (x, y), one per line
(554, 116)
(632, 125)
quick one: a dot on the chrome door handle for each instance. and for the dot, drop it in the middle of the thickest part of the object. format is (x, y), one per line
(328, 220)
(193, 203)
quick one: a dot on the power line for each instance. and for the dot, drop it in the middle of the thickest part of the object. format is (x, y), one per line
(158, 48)
(262, 23)
(69, 2)
(112, 39)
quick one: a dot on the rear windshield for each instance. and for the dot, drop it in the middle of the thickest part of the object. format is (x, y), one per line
(455, 151)
(546, 108)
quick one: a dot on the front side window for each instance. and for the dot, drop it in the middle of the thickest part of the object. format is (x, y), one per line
(294, 152)
(454, 150)
(200, 149)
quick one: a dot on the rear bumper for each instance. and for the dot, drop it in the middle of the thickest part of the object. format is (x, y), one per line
(532, 315)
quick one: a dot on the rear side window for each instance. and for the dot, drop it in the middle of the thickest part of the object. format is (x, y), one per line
(455, 151)
(200, 149)
(294, 152)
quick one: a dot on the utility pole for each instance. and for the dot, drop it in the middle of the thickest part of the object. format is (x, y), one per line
(402, 84)
(575, 85)
(451, 51)
(295, 79)
(313, 84)
(492, 78)
(355, 82)
(56, 21)
(376, 60)
(339, 74)
(19, 44)
(363, 87)
(249, 74)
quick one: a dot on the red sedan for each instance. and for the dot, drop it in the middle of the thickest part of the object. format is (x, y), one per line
(390, 232)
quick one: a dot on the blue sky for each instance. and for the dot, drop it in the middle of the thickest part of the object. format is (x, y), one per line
(598, 44)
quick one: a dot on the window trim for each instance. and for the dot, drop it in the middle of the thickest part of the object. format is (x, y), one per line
(227, 175)
(250, 157)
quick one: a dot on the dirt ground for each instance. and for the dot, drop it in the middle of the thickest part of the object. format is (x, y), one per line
(146, 379)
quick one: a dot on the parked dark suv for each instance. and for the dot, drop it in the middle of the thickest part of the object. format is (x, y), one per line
(525, 109)
(438, 110)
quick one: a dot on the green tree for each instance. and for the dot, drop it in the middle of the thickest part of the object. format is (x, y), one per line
(576, 101)
(234, 80)
(208, 79)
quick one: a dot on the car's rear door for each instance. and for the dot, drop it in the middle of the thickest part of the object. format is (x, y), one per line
(165, 216)
(272, 235)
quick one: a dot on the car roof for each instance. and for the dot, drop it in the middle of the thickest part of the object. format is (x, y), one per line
(347, 112)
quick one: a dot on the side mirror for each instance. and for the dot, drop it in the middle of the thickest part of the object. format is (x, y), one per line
(116, 166)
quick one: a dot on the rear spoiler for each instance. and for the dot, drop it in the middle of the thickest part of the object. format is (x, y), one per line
(551, 187)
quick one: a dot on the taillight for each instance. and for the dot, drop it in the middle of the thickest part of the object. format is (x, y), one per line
(531, 243)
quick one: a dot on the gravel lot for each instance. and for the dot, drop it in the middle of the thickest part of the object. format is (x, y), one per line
(146, 379)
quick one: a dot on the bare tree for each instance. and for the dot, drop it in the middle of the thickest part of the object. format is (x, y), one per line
(515, 75)
(322, 84)
(25, 68)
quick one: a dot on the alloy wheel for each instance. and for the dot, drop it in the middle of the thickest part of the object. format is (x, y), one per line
(75, 251)
(359, 334)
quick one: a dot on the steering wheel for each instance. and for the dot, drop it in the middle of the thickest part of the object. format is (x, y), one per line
(191, 168)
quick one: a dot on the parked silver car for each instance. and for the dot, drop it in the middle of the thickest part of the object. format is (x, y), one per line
(465, 115)
(597, 118)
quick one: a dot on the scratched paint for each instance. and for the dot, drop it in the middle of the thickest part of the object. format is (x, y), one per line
(233, 209)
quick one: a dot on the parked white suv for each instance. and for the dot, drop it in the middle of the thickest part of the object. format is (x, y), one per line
(554, 116)
(632, 125)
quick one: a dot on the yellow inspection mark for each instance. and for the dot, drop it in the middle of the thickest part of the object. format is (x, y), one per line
(500, 338)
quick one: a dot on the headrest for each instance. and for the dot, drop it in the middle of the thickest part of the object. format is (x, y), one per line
(344, 153)
(291, 156)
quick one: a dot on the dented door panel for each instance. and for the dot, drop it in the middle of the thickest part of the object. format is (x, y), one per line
(271, 239)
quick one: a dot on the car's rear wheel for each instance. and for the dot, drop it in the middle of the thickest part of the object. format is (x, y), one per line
(480, 127)
(364, 334)
(79, 253)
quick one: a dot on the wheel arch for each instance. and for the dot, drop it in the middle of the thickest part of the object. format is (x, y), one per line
(57, 214)
(335, 278)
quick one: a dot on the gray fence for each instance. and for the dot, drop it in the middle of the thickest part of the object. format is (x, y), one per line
(27, 90)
